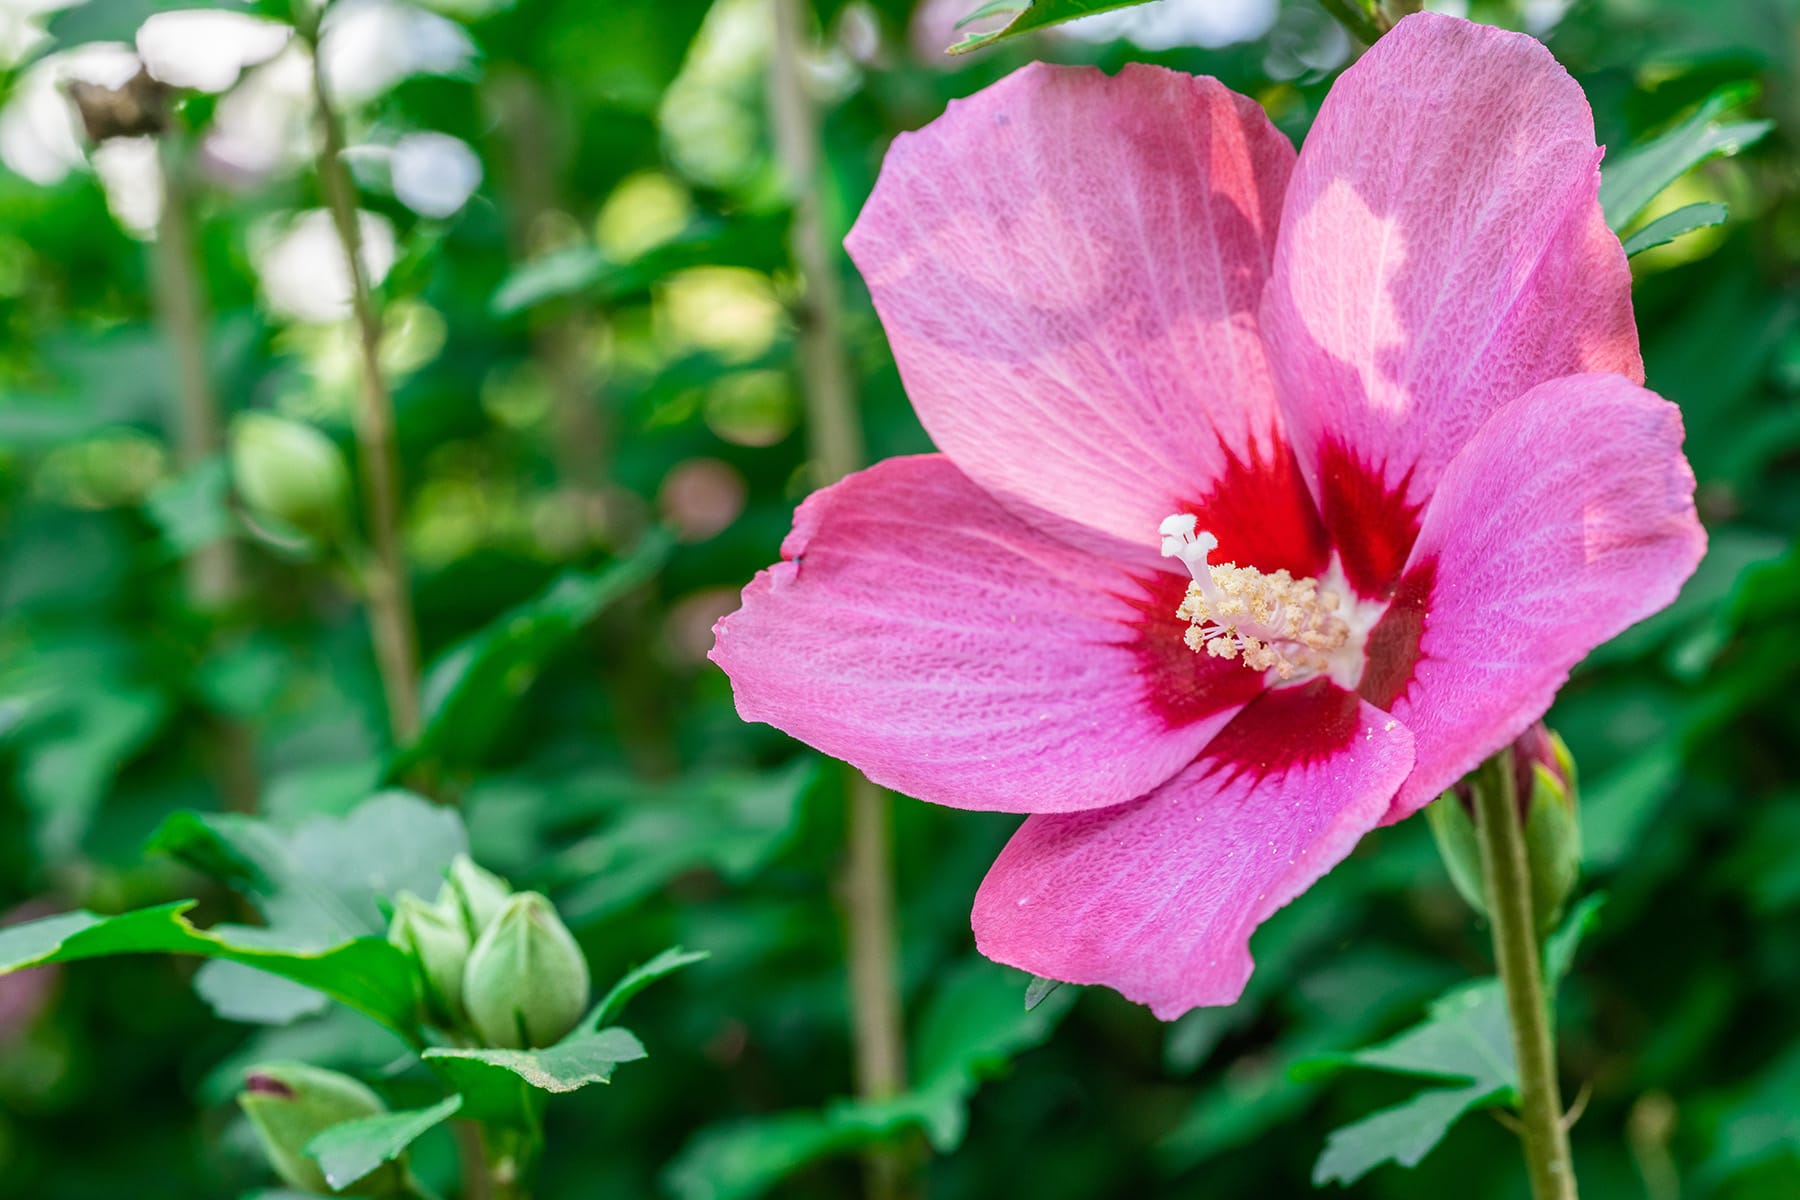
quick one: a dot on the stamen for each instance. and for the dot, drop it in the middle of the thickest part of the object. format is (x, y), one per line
(1271, 622)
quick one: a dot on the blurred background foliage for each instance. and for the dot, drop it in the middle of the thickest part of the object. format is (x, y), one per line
(580, 238)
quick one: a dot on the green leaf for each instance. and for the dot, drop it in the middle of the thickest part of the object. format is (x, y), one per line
(506, 1086)
(350, 1151)
(327, 878)
(118, 20)
(1403, 1134)
(1635, 177)
(1032, 14)
(472, 687)
(972, 1028)
(74, 744)
(1038, 990)
(1466, 1039)
(193, 509)
(729, 822)
(366, 974)
(1670, 226)
(637, 979)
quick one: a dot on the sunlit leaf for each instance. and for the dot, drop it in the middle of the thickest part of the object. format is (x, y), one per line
(1631, 179)
(366, 974)
(1670, 226)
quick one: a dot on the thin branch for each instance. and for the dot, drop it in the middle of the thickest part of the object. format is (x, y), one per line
(835, 435)
(385, 577)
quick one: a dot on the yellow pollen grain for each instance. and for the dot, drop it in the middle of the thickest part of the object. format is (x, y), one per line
(1269, 621)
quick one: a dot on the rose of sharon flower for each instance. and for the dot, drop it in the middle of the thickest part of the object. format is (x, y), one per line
(1276, 493)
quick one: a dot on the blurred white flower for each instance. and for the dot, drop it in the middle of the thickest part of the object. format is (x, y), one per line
(207, 49)
(301, 265)
(131, 173)
(368, 46)
(22, 27)
(40, 131)
(266, 122)
(433, 174)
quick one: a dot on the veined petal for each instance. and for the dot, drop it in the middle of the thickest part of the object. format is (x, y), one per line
(1158, 898)
(1068, 267)
(956, 653)
(1569, 517)
(1442, 252)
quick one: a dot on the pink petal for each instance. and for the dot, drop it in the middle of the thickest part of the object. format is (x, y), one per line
(955, 653)
(1569, 517)
(1442, 252)
(1158, 898)
(1068, 267)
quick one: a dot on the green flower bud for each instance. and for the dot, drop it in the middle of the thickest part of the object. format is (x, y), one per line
(438, 942)
(289, 1104)
(527, 982)
(1552, 826)
(290, 474)
(478, 894)
(1544, 775)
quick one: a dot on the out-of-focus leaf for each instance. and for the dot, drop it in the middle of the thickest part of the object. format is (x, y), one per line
(472, 687)
(118, 20)
(319, 884)
(1032, 14)
(584, 271)
(636, 980)
(349, 1151)
(74, 747)
(973, 1027)
(366, 974)
(1038, 990)
(239, 993)
(1670, 226)
(507, 1086)
(326, 878)
(1630, 180)
(193, 510)
(731, 823)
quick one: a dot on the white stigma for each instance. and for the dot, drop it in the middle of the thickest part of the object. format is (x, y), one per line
(1269, 622)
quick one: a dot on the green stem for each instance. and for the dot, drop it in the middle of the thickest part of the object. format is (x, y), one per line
(389, 602)
(1507, 874)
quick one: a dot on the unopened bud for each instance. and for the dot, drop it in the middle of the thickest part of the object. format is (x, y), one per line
(289, 1104)
(527, 982)
(438, 942)
(1544, 778)
(479, 894)
(290, 473)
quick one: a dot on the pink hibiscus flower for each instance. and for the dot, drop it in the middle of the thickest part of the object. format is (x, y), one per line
(1276, 492)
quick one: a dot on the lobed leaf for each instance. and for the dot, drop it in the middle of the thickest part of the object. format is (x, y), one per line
(507, 1087)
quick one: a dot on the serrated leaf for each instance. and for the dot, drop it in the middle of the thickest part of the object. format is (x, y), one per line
(1467, 1038)
(1403, 1134)
(507, 1086)
(637, 979)
(1033, 14)
(1670, 226)
(1630, 180)
(472, 687)
(366, 974)
(347, 1152)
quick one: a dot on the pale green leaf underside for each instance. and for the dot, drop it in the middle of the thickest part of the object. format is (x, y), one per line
(1032, 14)
(350, 1151)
